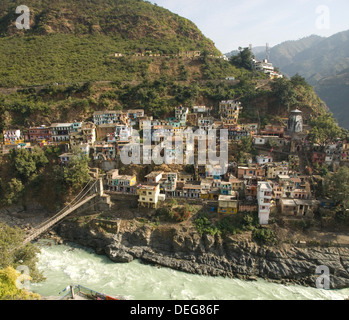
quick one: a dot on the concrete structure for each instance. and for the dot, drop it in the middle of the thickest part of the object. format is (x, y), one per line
(122, 183)
(148, 195)
(38, 134)
(181, 114)
(264, 196)
(251, 172)
(228, 204)
(299, 208)
(229, 111)
(275, 169)
(273, 131)
(264, 159)
(12, 137)
(60, 131)
(154, 177)
(295, 122)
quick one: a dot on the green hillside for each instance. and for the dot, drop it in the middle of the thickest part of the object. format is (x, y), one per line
(64, 67)
(77, 40)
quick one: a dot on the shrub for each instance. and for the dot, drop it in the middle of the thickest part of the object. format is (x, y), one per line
(264, 236)
(204, 225)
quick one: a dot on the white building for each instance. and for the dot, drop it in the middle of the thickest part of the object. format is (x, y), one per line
(264, 195)
(12, 136)
(263, 159)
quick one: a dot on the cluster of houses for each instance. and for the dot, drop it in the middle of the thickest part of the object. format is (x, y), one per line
(184, 54)
(259, 186)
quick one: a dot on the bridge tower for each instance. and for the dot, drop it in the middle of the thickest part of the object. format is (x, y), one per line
(99, 187)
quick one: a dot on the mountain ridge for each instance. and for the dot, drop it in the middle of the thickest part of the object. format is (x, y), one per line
(323, 62)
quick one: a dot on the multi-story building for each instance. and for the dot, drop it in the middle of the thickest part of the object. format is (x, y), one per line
(60, 131)
(205, 123)
(134, 116)
(148, 195)
(111, 175)
(154, 177)
(236, 184)
(229, 112)
(228, 204)
(38, 134)
(226, 188)
(104, 151)
(192, 191)
(181, 114)
(274, 131)
(345, 153)
(122, 133)
(122, 183)
(12, 137)
(85, 135)
(275, 169)
(251, 172)
(201, 109)
(168, 183)
(110, 117)
(264, 196)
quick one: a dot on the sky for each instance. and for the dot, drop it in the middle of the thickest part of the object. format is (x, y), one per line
(231, 24)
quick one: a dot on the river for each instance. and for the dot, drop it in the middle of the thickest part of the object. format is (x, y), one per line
(63, 265)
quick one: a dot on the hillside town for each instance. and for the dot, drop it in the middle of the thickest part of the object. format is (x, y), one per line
(277, 178)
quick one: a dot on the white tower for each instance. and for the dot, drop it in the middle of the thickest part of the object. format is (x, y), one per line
(295, 122)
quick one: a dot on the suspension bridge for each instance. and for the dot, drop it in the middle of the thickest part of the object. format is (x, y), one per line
(93, 189)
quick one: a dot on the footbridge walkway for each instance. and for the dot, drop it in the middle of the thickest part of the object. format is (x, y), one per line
(93, 189)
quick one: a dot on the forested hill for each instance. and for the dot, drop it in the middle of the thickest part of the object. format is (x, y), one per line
(65, 66)
(72, 41)
(123, 19)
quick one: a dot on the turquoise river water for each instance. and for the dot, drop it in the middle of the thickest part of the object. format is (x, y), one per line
(64, 265)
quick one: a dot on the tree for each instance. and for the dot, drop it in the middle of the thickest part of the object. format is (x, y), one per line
(298, 80)
(9, 289)
(337, 186)
(26, 164)
(13, 254)
(324, 128)
(76, 174)
(12, 191)
(243, 59)
(284, 90)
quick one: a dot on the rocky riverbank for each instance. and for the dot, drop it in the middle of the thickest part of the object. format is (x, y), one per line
(184, 249)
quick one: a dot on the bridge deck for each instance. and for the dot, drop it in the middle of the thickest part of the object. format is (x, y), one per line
(48, 224)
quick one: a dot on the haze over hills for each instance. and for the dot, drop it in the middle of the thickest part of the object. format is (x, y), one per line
(324, 63)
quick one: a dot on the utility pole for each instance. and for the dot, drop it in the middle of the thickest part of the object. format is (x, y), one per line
(267, 52)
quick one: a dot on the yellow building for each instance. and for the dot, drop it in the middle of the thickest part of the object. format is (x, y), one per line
(227, 204)
(148, 195)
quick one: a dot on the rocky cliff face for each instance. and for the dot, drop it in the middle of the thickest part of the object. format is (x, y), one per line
(185, 250)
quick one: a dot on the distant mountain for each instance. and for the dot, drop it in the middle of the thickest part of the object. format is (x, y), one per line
(256, 51)
(285, 53)
(324, 63)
